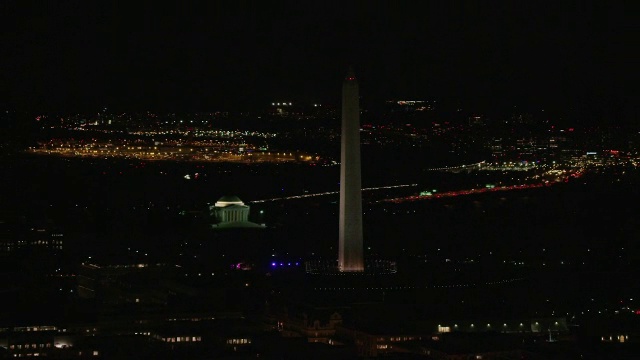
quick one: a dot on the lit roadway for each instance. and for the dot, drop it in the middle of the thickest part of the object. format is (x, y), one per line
(563, 176)
(329, 193)
(460, 167)
(557, 176)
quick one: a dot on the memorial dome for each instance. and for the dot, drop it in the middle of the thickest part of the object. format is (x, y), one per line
(228, 200)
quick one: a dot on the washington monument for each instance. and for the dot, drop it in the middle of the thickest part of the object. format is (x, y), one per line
(351, 256)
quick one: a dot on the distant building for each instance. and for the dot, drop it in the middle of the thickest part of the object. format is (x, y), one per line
(231, 212)
(316, 324)
(411, 105)
(470, 339)
(148, 285)
(30, 240)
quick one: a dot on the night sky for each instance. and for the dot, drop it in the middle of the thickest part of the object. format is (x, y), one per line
(85, 55)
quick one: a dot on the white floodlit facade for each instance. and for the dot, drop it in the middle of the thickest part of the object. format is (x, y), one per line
(350, 257)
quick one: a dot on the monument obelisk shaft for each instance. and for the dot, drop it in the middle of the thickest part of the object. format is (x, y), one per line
(351, 257)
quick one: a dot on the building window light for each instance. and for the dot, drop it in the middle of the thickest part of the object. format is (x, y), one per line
(444, 329)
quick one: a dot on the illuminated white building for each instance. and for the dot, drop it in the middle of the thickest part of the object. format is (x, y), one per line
(230, 211)
(351, 251)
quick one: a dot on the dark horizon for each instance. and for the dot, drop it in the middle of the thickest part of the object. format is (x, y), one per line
(74, 56)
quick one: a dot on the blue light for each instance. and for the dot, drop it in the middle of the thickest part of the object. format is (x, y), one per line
(273, 264)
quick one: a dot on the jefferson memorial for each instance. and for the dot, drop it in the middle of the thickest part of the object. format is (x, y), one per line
(231, 212)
